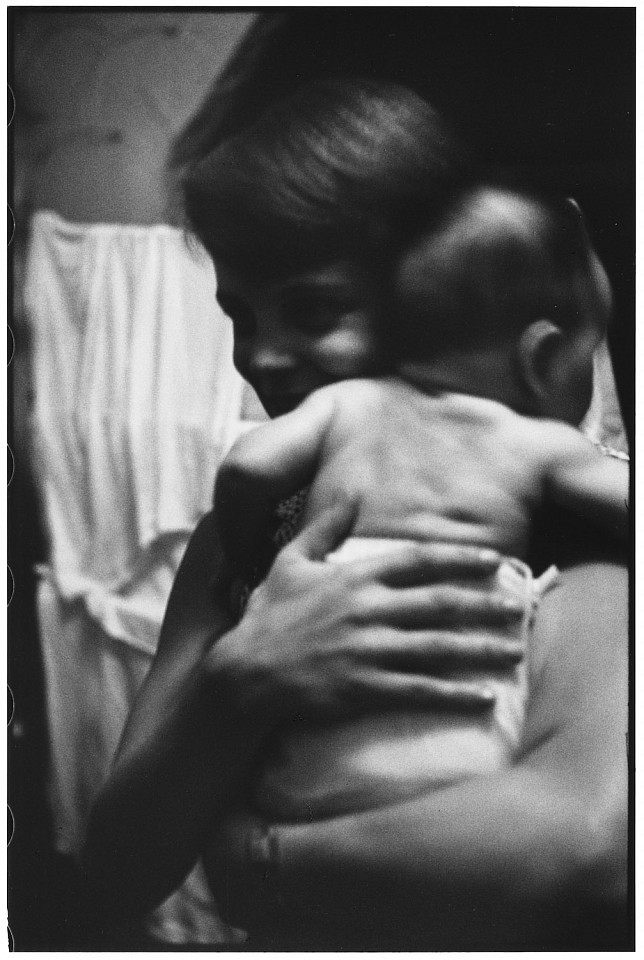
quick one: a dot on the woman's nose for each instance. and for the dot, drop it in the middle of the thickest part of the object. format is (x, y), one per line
(270, 356)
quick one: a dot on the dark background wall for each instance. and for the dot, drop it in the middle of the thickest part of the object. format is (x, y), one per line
(99, 95)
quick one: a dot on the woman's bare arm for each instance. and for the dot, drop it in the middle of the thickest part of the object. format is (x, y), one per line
(183, 747)
(497, 857)
(582, 479)
(268, 464)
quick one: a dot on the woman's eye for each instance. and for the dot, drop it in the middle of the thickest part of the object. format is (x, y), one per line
(239, 314)
(311, 313)
(243, 326)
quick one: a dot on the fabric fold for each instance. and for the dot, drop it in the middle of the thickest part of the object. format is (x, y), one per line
(137, 399)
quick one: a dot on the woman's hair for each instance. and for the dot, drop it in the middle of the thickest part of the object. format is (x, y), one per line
(492, 261)
(341, 169)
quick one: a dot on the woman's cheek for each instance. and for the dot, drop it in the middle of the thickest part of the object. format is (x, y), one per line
(346, 353)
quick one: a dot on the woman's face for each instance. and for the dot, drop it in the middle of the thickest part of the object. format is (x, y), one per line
(298, 334)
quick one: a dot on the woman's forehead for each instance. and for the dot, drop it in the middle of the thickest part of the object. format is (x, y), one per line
(340, 277)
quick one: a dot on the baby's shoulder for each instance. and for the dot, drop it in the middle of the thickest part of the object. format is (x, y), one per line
(352, 396)
(364, 410)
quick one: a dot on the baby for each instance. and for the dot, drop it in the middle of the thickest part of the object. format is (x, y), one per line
(499, 306)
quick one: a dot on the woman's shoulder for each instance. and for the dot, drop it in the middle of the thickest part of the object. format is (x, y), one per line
(562, 538)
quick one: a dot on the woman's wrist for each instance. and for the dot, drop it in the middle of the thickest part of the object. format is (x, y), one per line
(237, 682)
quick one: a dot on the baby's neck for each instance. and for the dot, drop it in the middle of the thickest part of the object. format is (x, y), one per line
(482, 373)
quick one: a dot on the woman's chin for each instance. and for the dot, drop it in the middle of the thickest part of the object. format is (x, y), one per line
(279, 405)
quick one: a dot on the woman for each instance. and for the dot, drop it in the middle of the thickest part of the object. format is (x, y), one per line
(303, 218)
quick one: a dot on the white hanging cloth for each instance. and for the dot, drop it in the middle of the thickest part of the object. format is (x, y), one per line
(136, 403)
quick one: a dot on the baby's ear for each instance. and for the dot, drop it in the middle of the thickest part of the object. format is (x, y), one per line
(538, 355)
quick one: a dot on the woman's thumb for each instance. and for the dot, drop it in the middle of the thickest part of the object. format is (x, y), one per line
(326, 532)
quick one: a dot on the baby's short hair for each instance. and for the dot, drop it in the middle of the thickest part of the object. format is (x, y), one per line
(490, 262)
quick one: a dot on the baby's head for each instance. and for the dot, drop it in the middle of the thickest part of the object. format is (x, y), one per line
(505, 288)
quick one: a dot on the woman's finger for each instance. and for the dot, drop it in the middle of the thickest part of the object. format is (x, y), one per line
(426, 651)
(417, 563)
(442, 605)
(416, 690)
(325, 534)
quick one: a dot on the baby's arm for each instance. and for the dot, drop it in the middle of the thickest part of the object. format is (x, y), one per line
(265, 466)
(580, 478)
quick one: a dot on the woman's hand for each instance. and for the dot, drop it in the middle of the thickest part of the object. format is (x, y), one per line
(323, 641)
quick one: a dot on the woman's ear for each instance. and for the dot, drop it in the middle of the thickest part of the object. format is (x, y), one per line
(538, 352)
(572, 203)
(579, 218)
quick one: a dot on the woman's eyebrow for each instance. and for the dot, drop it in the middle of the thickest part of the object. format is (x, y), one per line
(313, 286)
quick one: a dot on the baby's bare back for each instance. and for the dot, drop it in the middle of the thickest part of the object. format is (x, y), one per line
(420, 466)
(442, 466)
